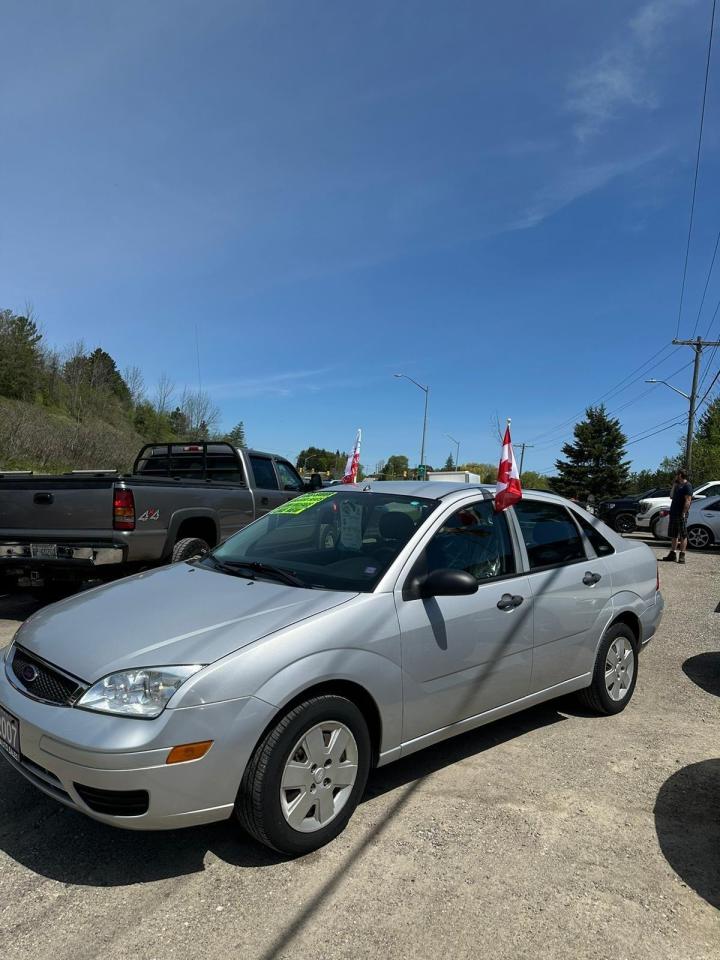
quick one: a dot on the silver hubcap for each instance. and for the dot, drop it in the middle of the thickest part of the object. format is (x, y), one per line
(697, 537)
(319, 776)
(619, 668)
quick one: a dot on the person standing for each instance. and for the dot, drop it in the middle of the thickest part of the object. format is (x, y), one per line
(681, 494)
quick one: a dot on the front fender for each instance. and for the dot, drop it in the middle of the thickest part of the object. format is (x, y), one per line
(378, 676)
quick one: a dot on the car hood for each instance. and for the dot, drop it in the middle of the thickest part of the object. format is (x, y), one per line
(179, 614)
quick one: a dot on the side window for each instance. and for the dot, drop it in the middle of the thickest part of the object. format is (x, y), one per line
(289, 480)
(474, 538)
(713, 491)
(265, 477)
(715, 505)
(550, 535)
(597, 541)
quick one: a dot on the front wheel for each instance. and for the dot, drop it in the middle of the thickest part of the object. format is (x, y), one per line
(614, 674)
(699, 538)
(625, 523)
(306, 776)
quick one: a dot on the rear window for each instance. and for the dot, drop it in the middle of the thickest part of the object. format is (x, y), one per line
(191, 462)
(600, 545)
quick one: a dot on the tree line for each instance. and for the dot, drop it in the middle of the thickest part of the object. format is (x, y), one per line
(74, 408)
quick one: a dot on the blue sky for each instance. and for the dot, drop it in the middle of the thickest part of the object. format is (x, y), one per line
(490, 198)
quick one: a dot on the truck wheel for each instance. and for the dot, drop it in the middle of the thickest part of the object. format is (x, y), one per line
(187, 548)
(625, 523)
(306, 776)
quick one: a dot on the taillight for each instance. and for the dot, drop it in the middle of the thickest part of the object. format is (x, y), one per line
(123, 510)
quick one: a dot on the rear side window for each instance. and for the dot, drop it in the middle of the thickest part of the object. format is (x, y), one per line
(550, 536)
(264, 474)
(715, 505)
(600, 545)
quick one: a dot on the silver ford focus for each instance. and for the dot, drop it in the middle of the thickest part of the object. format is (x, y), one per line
(346, 629)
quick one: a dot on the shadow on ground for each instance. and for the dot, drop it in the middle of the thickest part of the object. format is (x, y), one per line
(63, 845)
(704, 670)
(688, 826)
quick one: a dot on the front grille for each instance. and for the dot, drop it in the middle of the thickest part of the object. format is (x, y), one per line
(114, 803)
(41, 680)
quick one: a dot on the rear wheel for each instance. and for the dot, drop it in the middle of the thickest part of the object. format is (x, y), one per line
(625, 523)
(699, 537)
(306, 776)
(187, 548)
(615, 672)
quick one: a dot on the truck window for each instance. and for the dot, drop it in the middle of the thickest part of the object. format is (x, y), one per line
(289, 480)
(224, 466)
(265, 478)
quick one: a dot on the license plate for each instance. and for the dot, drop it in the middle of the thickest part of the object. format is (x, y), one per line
(43, 551)
(10, 734)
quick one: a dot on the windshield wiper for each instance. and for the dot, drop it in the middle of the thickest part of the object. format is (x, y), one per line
(265, 569)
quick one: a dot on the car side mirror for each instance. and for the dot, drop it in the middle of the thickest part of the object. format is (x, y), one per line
(314, 483)
(444, 583)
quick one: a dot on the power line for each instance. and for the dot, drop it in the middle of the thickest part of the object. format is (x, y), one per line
(697, 167)
(646, 436)
(613, 391)
(714, 381)
(707, 281)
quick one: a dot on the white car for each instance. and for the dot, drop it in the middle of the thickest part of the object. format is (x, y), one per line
(703, 523)
(650, 510)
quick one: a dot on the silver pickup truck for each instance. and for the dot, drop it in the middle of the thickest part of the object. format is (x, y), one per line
(180, 499)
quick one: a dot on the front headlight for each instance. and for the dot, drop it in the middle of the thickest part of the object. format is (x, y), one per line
(136, 693)
(609, 506)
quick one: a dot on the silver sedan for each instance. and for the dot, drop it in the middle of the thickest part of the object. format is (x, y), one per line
(703, 523)
(346, 629)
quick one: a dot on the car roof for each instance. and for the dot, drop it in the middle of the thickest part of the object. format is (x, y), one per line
(440, 489)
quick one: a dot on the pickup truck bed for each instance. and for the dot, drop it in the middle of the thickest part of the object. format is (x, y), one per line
(92, 523)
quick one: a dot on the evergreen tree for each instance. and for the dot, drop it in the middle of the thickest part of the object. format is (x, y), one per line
(595, 462)
(237, 435)
(449, 463)
(706, 445)
(20, 356)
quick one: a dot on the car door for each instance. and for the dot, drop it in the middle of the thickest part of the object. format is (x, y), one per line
(707, 513)
(570, 586)
(464, 655)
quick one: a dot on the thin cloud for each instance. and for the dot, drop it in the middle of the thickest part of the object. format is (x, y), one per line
(270, 385)
(620, 78)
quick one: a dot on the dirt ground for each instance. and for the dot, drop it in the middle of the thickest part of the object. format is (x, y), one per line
(552, 834)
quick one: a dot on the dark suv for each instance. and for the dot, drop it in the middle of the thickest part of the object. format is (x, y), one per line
(620, 512)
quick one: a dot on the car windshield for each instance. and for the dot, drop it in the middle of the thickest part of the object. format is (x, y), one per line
(342, 540)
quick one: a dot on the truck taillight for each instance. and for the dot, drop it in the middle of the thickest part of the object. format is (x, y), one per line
(123, 510)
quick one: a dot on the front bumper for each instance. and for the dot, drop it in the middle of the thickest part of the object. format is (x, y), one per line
(65, 748)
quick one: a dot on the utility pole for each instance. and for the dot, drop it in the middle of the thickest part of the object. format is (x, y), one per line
(522, 454)
(697, 345)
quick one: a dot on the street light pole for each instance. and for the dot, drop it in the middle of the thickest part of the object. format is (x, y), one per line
(426, 391)
(457, 452)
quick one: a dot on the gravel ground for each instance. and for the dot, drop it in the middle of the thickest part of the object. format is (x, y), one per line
(553, 834)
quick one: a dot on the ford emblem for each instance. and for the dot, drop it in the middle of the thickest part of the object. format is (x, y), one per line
(29, 673)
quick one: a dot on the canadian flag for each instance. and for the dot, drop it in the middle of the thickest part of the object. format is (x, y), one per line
(353, 462)
(507, 490)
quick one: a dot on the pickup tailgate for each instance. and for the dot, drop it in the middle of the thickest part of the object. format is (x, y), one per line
(63, 505)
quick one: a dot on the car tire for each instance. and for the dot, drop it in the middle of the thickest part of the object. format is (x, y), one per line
(187, 548)
(612, 687)
(699, 537)
(267, 801)
(624, 523)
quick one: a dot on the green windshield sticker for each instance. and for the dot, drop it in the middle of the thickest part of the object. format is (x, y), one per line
(300, 504)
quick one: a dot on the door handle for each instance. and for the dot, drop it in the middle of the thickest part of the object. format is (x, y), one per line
(590, 579)
(509, 602)
(43, 498)
(264, 501)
